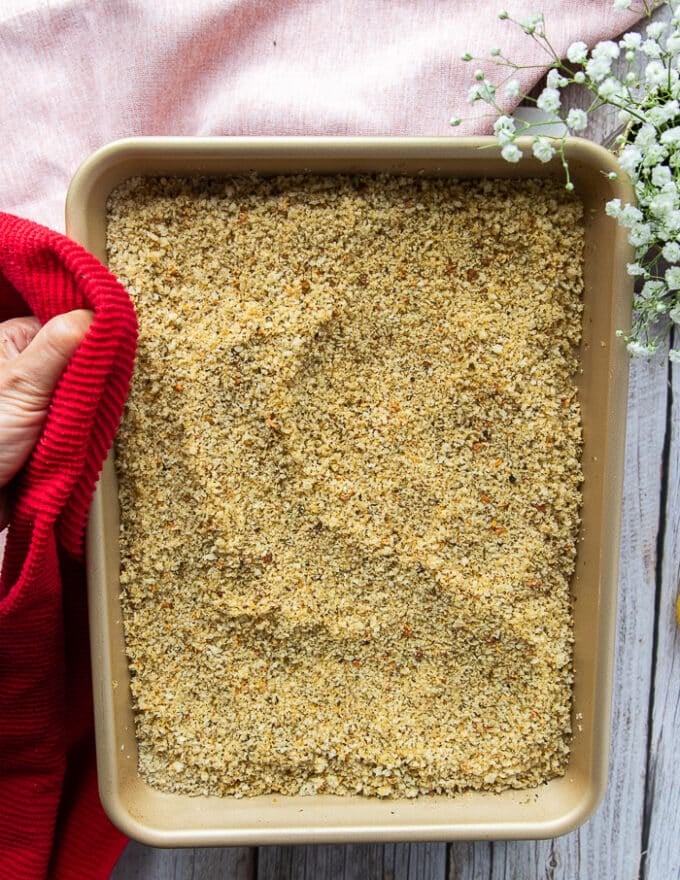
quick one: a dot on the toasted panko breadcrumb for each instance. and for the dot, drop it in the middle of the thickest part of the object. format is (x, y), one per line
(349, 476)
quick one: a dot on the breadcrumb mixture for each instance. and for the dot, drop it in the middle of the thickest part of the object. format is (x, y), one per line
(350, 481)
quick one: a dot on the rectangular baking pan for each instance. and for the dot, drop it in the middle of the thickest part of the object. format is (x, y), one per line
(553, 809)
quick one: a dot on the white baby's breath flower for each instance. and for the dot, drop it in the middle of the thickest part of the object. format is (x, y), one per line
(671, 136)
(651, 49)
(663, 113)
(613, 208)
(674, 356)
(513, 88)
(549, 100)
(655, 115)
(629, 215)
(654, 154)
(669, 188)
(579, 77)
(661, 176)
(655, 73)
(481, 91)
(656, 29)
(671, 225)
(662, 204)
(610, 88)
(671, 252)
(621, 5)
(635, 269)
(630, 40)
(577, 120)
(641, 235)
(543, 149)
(672, 278)
(511, 153)
(473, 94)
(504, 129)
(533, 23)
(606, 49)
(674, 314)
(598, 68)
(577, 52)
(646, 136)
(555, 80)
(673, 43)
(630, 159)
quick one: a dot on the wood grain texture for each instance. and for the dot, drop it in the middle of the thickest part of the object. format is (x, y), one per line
(353, 862)
(610, 845)
(144, 863)
(662, 803)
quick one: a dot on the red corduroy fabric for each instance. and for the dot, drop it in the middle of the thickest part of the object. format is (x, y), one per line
(51, 821)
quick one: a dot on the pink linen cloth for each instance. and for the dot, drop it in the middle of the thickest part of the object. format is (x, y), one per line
(76, 74)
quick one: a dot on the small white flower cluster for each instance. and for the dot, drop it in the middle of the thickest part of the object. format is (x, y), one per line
(647, 97)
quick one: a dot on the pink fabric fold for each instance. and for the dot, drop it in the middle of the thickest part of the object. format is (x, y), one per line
(76, 74)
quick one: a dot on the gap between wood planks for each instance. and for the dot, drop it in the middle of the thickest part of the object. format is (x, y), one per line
(660, 597)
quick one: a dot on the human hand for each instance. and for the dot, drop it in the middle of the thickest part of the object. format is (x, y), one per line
(32, 359)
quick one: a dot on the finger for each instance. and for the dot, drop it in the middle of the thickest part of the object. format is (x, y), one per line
(36, 370)
(16, 334)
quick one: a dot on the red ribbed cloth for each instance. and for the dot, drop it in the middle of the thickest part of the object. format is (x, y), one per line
(51, 820)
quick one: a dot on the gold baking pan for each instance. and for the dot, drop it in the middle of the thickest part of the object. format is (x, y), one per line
(550, 810)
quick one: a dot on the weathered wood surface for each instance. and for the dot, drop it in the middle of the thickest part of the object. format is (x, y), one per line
(661, 840)
(636, 831)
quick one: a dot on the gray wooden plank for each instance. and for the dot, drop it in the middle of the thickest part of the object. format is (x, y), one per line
(282, 862)
(147, 863)
(470, 861)
(416, 861)
(662, 819)
(401, 861)
(610, 845)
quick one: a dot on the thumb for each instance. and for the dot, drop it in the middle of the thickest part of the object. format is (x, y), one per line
(35, 371)
(27, 381)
